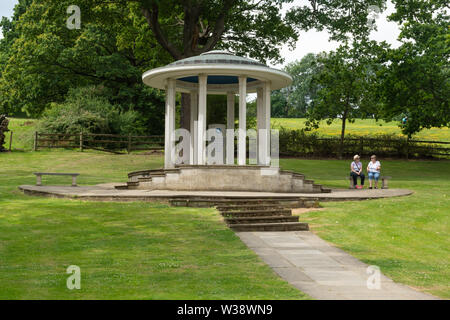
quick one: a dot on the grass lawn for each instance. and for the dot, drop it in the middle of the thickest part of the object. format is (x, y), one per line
(407, 237)
(141, 250)
(363, 128)
(125, 250)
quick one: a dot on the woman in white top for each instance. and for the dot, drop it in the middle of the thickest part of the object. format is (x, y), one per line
(373, 171)
(356, 168)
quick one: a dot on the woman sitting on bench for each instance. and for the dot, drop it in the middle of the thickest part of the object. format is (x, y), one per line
(356, 171)
(373, 171)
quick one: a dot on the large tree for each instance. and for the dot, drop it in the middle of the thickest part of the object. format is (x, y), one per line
(416, 80)
(294, 101)
(112, 49)
(120, 39)
(346, 82)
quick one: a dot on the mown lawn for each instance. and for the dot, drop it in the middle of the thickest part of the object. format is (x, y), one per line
(362, 128)
(125, 250)
(407, 237)
(150, 251)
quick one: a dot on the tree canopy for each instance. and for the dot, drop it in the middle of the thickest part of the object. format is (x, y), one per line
(416, 80)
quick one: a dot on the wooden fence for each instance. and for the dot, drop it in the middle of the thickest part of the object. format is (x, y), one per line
(104, 142)
(292, 145)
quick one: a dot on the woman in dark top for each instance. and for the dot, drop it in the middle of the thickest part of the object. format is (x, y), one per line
(356, 171)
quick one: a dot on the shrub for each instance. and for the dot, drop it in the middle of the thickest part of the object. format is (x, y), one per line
(87, 110)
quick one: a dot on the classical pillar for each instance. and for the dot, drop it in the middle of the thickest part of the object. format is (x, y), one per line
(267, 115)
(260, 116)
(193, 129)
(242, 120)
(230, 126)
(169, 139)
(201, 123)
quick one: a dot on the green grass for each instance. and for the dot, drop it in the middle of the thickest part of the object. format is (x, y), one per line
(363, 128)
(130, 250)
(149, 251)
(407, 237)
(23, 130)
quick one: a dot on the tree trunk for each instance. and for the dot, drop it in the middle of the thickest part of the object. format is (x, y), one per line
(341, 147)
(185, 111)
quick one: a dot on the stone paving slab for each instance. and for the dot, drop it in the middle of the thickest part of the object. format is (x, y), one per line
(107, 192)
(321, 270)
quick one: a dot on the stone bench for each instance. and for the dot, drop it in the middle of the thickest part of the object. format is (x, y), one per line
(384, 182)
(40, 174)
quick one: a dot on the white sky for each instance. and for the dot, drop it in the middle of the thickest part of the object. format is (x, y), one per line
(311, 41)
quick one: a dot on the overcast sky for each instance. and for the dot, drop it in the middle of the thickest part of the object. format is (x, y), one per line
(311, 41)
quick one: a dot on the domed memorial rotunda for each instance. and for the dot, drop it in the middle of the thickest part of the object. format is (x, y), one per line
(201, 159)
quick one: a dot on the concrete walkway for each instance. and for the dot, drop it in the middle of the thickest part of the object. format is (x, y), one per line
(107, 192)
(321, 270)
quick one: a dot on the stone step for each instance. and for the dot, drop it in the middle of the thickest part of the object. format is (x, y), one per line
(240, 207)
(326, 190)
(281, 226)
(148, 172)
(144, 179)
(206, 202)
(317, 188)
(257, 213)
(132, 184)
(260, 219)
(121, 187)
(261, 201)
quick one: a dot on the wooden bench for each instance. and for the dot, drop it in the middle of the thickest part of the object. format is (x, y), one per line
(384, 182)
(40, 174)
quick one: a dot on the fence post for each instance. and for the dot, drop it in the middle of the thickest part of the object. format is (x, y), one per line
(129, 143)
(407, 148)
(81, 141)
(361, 146)
(10, 141)
(35, 144)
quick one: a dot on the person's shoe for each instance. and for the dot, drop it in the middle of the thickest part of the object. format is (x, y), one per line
(370, 187)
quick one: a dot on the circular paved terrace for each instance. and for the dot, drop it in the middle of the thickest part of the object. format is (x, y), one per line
(107, 192)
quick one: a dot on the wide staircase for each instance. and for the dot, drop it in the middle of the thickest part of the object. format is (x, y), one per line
(221, 178)
(246, 214)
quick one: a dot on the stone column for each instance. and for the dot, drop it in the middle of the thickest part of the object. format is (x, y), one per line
(193, 129)
(230, 126)
(260, 116)
(242, 120)
(201, 124)
(267, 116)
(169, 141)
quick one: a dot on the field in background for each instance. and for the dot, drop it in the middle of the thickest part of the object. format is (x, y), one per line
(362, 128)
(23, 130)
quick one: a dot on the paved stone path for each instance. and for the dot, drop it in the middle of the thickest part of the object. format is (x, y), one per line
(108, 192)
(321, 270)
